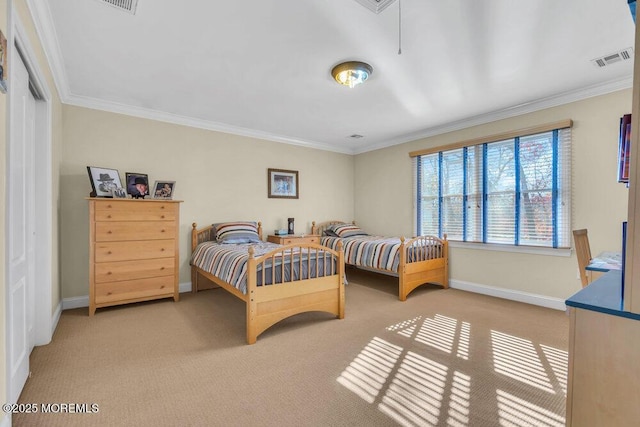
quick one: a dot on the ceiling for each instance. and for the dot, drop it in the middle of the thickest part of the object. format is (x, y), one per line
(262, 68)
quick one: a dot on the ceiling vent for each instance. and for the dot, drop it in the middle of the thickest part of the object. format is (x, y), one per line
(124, 5)
(355, 136)
(622, 55)
(376, 6)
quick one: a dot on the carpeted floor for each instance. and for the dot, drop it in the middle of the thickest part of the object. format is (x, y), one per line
(442, 358)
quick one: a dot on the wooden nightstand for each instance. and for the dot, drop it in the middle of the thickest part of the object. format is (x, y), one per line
(288, 239)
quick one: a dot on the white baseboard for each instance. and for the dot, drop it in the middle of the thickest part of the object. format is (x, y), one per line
(543, 301)
(185, 287)
(540, 300)
(83, 301)
(75, 302)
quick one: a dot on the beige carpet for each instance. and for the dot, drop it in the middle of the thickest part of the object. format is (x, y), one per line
(442, 358)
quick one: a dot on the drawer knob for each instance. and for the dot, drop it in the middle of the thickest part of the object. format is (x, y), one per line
(162, 216)
(108, 273)
(108, 252)
(162, 207)
(108, 216)
(109, 232)
(162, 287)
(109, 206)
(161, 249)
(162, 231)
(108, 293)
(161, 268)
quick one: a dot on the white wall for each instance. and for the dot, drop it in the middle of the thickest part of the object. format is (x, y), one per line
(384, 201)
(220, 177)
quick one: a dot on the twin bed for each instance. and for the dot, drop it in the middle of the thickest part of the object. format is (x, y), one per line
(279, 281)
(416, 261)
(274, 281)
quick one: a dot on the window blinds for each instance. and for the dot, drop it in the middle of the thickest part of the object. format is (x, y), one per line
(513, 191)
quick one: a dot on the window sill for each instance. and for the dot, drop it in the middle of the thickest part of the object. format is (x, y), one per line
(535, 250)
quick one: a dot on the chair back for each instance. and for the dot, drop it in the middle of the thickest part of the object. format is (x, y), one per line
(583, 253)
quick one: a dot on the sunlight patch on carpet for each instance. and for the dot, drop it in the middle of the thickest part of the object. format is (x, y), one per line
(414, 389)
(517, 358)
(440, 332)
(516, 412)
(368, 372)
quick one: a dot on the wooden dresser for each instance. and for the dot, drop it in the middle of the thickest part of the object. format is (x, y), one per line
(133, 251)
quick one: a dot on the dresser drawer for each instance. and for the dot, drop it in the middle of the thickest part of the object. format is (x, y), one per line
(132, 250)
(133, 289)
(288, 240)
(126, 270)
(299, 240)
(135, 210)
(150, 230)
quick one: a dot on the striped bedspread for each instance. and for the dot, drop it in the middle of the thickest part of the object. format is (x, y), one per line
(381, 253)
(229, 263)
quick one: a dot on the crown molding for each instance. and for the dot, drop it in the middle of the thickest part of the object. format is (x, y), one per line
(162, 116)
(518, 110)
(45, 29)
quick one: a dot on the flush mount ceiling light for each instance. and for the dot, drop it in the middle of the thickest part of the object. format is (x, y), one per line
(351, 73)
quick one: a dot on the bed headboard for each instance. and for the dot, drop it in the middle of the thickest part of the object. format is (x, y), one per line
(208, 234)
(321, 227)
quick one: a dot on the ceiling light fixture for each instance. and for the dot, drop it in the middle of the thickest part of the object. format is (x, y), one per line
(351, 73)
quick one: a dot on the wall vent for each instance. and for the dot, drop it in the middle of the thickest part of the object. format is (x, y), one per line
(124, 5)
(376, 6)
(622, 55)
(355, 136)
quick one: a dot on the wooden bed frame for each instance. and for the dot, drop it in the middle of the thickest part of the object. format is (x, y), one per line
(267, 305)
(432, 265)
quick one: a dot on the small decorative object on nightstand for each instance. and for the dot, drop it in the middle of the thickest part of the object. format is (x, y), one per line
(291, 239)
(290, 226)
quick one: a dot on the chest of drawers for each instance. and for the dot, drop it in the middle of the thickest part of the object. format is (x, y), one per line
(133, 251)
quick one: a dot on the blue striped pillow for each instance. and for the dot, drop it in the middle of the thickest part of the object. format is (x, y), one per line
(347, 230)
(237, 232)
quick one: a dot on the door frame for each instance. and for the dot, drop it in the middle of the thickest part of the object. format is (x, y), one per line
(45, 183)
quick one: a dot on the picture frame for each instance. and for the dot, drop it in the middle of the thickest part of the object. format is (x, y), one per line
(282, 184)
(103, 181)
(3, 63)
(163, 190)
(624, 149)
(137, 184)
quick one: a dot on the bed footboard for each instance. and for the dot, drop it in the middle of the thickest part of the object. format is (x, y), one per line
(321, 290)
(423, 259)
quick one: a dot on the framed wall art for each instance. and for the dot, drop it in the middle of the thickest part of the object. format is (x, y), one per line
(3, 63)
(103, 181)
(137, 184)
(283, 184)
(164, 189)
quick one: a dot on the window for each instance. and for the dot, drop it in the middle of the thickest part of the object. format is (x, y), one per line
(512, 191)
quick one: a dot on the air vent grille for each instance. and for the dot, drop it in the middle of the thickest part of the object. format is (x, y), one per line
(355, 136)
(622, 55)
(125, 5)
(375, 6)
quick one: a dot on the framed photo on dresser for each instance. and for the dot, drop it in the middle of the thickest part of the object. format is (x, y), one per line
(163, 190)
(137, 184)
(103, 181)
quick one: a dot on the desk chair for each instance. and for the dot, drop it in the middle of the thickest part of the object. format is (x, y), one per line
(583, 253)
